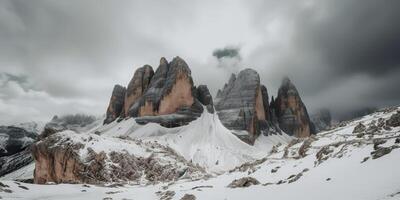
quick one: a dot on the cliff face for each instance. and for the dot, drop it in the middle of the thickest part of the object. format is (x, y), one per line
(291, 112)
(242, 105)
(167, 97)
(15, 143)
(116, 105)
(137, 86)
(69, 157)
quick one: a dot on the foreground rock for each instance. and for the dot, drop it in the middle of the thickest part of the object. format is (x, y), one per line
(167, 97)
(242, 105)
(291, 112)
(244, 182)
(68, 157)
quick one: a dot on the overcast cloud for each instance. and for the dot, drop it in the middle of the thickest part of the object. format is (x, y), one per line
(59, 57)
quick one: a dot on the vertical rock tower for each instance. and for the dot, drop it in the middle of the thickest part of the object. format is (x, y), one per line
(167, 96)
(291, 112)
(242, 105)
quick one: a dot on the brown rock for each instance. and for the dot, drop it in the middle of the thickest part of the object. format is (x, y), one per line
(137, 86)
(291, 112)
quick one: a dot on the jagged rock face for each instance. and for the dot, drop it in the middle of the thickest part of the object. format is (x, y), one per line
(167, 97)
(291, 112)
(170, 90)
(14, 140)
(16, 161)
(68, 157)
(137, 86)
(14, 148)
(116, 106)
(243, 104)
(205, 98)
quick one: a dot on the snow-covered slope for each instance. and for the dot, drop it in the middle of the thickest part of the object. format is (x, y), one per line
(335, 164)
(204, 141)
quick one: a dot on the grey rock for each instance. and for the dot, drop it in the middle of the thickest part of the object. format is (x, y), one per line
(359, 128)
(394, 120)
(188, 197)
(15, 148)
(244, 182)
(14, 140)
(381, 151)
(242, 105)
(116, 105)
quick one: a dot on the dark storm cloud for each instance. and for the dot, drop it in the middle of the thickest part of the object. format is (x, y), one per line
(344, 55)
(59, 57)
(227, 52)
(353, 36)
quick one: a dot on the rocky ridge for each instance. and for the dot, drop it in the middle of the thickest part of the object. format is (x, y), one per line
(243, 105)
(166, 96)
(69, 157)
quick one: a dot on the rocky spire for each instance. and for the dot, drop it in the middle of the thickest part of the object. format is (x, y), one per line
(116, 105)
(167, 97)
(137, 86)
(243, 105)
(291, 111)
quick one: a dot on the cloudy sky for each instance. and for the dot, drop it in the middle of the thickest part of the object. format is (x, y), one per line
(59, 57)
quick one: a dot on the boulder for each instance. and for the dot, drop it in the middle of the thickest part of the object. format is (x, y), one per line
(116, 105)
(360, 128)
(292, 114)
(244, 182)
(394, 120)
(242, 105)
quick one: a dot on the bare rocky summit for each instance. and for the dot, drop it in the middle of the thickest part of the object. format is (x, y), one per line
(167, 96)
(242, 105)
(292, 114)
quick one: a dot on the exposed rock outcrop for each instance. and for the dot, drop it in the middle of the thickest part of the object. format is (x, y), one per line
(14, 140)
(14, 148)
(291, 112)
(242, 105)
(243, 182)
(69, 157)
(167, 97)
(116, 106)
(137, 86)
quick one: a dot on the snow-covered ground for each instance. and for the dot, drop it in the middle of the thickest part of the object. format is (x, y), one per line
(335, 164)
